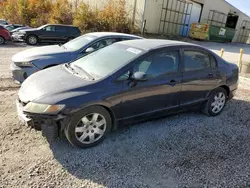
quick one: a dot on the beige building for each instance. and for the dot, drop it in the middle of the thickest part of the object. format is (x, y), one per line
(174, 17)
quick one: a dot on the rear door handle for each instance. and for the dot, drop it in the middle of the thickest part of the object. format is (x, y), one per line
(210, 75)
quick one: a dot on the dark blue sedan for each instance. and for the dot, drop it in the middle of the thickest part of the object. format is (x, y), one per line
(125, 82)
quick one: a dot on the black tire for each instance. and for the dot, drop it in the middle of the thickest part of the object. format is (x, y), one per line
(32, 40)
(69, 130)
(208, 109)
(2, 40)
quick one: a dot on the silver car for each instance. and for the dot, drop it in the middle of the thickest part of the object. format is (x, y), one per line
(32, 60)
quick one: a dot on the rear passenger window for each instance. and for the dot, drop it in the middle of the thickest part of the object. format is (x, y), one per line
(73, 30)
(61, 29)
(213, 61)
(196, 60)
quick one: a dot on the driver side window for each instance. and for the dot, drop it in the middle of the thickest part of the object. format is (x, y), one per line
(102, 43)
(50, 28)
(158, 64)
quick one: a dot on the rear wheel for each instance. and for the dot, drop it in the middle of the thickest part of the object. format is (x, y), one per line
(88, 127)
(32, 40)
(2, 40)
(216, 102)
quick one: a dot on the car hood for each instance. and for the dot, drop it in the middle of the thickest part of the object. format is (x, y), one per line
(39, 52)
(31, 29)
(51, 82)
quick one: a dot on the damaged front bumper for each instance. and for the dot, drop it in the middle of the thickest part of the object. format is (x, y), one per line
(50, 125)
(23, 117)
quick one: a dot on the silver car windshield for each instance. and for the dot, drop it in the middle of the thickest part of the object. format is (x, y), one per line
(107, 60)
(79, 42)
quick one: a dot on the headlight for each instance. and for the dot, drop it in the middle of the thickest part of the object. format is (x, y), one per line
(43, 108)
(21, 33)
(24, 64)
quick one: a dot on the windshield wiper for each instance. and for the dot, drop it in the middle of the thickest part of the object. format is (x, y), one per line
(67, 65)
(90, 77)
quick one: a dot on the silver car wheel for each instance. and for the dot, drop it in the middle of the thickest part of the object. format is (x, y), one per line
(90, 128)
(218, 102)
(32, 40)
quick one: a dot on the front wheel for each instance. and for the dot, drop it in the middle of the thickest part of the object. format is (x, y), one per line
(216, 102)
(88, 127)
(32, 40)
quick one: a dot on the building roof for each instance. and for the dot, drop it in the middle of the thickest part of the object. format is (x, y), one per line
(150, 44)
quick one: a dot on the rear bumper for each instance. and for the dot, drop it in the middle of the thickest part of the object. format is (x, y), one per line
(8, 38)
(233, 89)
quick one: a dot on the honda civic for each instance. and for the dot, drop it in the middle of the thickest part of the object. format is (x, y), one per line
(125, 82)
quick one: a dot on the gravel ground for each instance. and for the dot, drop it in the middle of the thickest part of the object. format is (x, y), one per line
(186, 150)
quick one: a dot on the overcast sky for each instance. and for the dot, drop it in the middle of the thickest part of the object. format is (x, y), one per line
(243, 5)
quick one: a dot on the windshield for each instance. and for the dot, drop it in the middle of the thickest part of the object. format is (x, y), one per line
(107, 60)
(9, 28)
(79, 42)
(41, 27)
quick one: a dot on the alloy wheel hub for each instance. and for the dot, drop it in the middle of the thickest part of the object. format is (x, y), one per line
(90, 128)
(218, 103)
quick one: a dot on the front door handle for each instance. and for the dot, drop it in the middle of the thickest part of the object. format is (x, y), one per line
(172, 82)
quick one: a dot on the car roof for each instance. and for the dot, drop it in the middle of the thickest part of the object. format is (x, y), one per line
(151, 44)
(105, 34)
(14, 25)
(60, 25)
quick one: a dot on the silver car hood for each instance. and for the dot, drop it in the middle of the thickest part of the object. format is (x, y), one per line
(38, 52)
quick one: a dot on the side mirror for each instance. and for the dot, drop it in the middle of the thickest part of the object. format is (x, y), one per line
(139, 76)
(89, 50)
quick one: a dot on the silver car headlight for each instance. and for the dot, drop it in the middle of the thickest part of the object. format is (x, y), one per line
(43, 108)
(21, 33)
(24, 64)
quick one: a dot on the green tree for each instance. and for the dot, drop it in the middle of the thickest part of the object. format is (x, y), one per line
(85, 18)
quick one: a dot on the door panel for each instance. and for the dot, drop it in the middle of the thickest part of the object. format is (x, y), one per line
(197, 84)
(48, 33)
(146, 97)
(161, 90)
(199, 76)
(61, 33)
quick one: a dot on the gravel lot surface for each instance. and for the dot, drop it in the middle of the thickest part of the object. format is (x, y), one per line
(186, 150)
